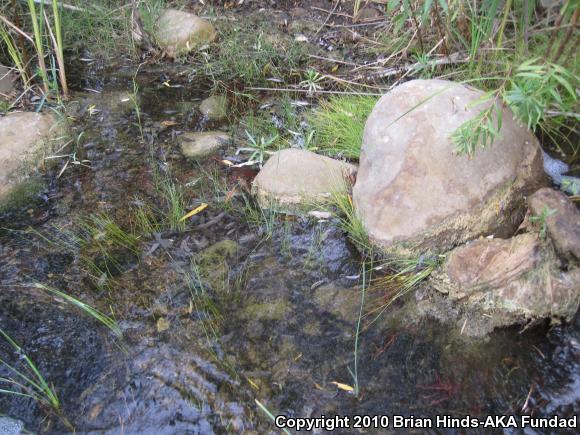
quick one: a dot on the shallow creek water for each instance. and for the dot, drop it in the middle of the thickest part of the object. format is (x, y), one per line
(283, 310)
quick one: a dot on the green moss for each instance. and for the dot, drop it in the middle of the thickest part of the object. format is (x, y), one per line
(22, 195)
(339, 124)
(212, 264)
(275, 310)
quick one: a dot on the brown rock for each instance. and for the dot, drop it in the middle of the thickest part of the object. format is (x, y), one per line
(180, 32)
(295, 179)
(414, 193)
(214, 108)
(198, 145)
(22, 137)
(510, 281)
(563, 225)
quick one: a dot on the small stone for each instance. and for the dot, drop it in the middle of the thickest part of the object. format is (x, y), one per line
(214, 108)
(162, 324)
(179, 32)
(320, 214)
(562, 222)
(295, 180)
(198, 145)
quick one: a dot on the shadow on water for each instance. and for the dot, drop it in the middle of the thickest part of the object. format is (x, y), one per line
(214, 316)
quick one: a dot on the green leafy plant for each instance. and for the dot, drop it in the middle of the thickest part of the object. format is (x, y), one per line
(542, 220)
(404, 276)
(350, 221)
(259, 148)
(480, 131)
(540, 94)
(312, 81)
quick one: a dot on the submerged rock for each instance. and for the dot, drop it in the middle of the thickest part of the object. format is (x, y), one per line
(24, 136)
(344, 303)
(508, 281)
(198, 145)
(295, 179)
(414, 193)
(10, 426)
(562, 221)
(7, 79)
(180, 32)
(214, 108)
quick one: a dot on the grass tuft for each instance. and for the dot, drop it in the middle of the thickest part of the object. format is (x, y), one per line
(339, 124)
(29, 381)
(93, 312)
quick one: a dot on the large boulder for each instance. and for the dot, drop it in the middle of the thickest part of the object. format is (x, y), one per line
(7, 86)
(560, 219)
(23, 136)
(415, 194)
(198, 145)
(507, 281)
(179, 32)
(294, 180)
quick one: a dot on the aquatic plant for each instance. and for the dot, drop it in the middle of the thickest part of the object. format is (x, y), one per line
(339, 123)
(97, 240)
(28, 381)
(173, 195)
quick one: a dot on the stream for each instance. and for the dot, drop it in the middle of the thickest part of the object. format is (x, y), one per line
(266, 314)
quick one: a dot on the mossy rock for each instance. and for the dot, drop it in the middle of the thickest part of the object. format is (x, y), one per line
(25, 194)
(213, 265)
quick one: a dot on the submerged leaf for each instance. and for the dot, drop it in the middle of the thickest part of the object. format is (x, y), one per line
(193, 212)
(343, 387)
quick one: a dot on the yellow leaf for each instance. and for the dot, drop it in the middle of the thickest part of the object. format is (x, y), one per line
(253, 384)
(343, 387)
(194, 212)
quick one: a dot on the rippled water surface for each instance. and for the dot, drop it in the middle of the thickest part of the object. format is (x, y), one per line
(207, 333)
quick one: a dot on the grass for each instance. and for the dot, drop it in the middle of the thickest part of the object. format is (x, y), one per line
(173, 195)
(103, 27)
(97, 241)
(339, 124)
(263, 219)
(102, 318)
(28, 381)
(405, 276)
(350, 222)
(247, 55)
(45, 41)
